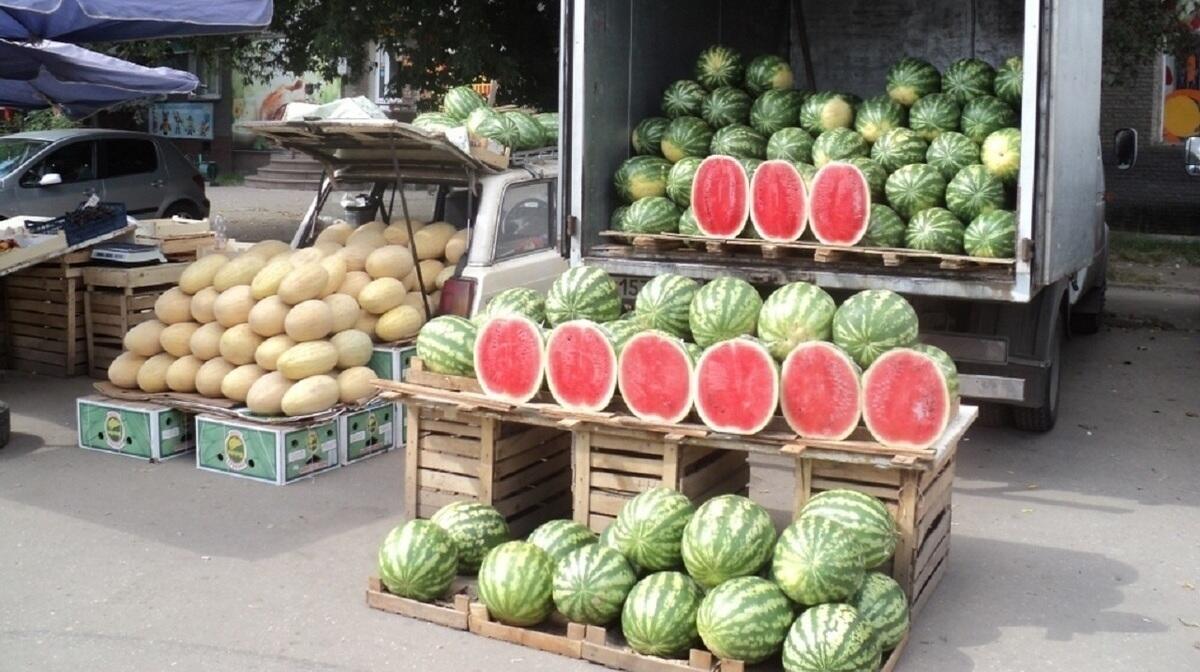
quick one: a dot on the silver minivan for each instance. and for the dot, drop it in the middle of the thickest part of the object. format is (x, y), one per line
(48, 173)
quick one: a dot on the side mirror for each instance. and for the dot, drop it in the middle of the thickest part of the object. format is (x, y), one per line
(1192, 156)
(49, 180)
(1125, 148)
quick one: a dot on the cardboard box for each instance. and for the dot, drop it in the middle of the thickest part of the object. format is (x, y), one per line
(390, 363)
(486, 150)
(137, 429)
(275, 453)
(371, 431)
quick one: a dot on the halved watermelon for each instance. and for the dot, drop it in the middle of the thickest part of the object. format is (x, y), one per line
(736, 386)
(906, 399)
(581, 365)
(839, 204)
(721, 197)
(510, 358)
(778, 201)
(655, 377)
(820, 391)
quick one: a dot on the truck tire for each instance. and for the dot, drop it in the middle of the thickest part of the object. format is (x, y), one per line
(1087, 317)
(5, 424)
(1042, 418)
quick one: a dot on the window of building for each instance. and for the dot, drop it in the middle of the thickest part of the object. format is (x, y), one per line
(127, 157)
(526, 220)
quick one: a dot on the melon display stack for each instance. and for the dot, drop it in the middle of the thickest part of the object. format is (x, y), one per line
(930, 164)
(517, 129)
(289, 332)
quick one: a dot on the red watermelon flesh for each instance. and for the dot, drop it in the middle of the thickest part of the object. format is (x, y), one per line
(581, 366)
(906, 401)
(737, 386)
(656, 377)
(510, 358)
(839, 204)
(778, 201)
(820, 391)
(721, 197)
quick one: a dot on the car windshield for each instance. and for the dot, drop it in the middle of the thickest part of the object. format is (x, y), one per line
(14, 152)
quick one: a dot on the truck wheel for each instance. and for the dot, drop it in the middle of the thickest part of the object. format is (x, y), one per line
(1042, 418)
(1088, 315)
(5, 424)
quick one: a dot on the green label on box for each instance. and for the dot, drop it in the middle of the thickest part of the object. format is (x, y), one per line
(174, 432)
(311, 449)
(381, 363)
(251, 452)
(370, 431)
(118, 430)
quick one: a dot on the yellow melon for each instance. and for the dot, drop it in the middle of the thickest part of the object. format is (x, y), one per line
(344, 309)
(199, 274)
(307, 359)
(233, 306)
(446, 273)
(202, 305)
(389, 261)
(430, 270)
(265, 396)
(144, 339)
(176, 338)
(354, 283)
(366, 323)
(335, 266)
(399, 323)
(152, 377)
(124, 370)
(354, 348)
(309, 321)
(266, 283)
(268, 353)
(370, 240)
(237, 383)
(238, 344)
(205, 343)
(266, 318)
(355, 257)
(181, 375)
(267, 249)
(308, 255)
(414, 299)
(210, 376)
(381, 295)
(304, 282)
(173, 306)
(337, 232)
(397, 233)
(430, 241)
(327, 247)
(314, 394)
(354, 384)
(456, 247)
(240, 271)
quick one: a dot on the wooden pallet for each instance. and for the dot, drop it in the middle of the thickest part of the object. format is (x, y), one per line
(555, 635)
(117, 299)
(451, 612)
(44, 316)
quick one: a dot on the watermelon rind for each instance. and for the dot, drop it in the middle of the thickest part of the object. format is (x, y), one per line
(1008, 82)
(514, 301)
(616, 222)
(679, 180)
(446, 344)
(972, 192)
(745, 619)
(728, 536)
(688, 225)
(877, 116)
(1001, 154)
(659, 617)
(649, 529)
(875, 173)
(683, 98)
(748, 389)
(750, 166)
(775, 109)
(816, 561)
(460, 101)
(826, 110)
(476, 528)
(488, 123)
(985, 115)
(642, 177)
(935, 230)
(911, 78)
(719, 66)
(791, 144)
(795, 313)
(934, 114)
(899, 396)
(501, 359)
(581, 370)
(739, 141)
(418, 560)
(945, 362)
(620, 331)
(591, 584)
(899, 147)
(828, 430)
(648, 134)
(527, 132)
(656, 214)
(831, 637)
(628, 369)
(583, 292)
(435, 122)
(724, 308)
(560, 537)
(726, 105)
(885, 228)
(686, 136)
(516, 582)
(882, 602)
(968, 78)
(807, 171)
(872, 322)
(839, 144)
(992, 234)
(706, 207)
(664, 303)
(915, 187)
(825, 184)
(785, 201)
(950, 152)
(549, 123)
(768, 72)
(863, 518)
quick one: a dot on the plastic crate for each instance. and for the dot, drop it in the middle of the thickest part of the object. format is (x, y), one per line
(77, 233)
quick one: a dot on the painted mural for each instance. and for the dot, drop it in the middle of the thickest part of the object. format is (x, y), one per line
(1181, 88)
(255, 100)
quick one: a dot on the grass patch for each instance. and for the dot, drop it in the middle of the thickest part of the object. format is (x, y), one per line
(229, 180)
(1144, 248)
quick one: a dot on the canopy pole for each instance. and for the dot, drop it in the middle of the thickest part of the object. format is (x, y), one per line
(412, 243)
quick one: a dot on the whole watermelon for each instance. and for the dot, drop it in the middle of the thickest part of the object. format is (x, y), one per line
(838, 144)
(1008, 82)
(642, 177)
(528, 132)
(488, 123)
(744, 619)
(985, 115)
(516, 581)
(719, 66)
(972, 192)
(688, 225)
(945, 362)
(657, 214)
(968, 78)
(648, 134)
(683, 98)
(460, 101)
(992, 234)
(934, 114)
(724, 308)
(686, 136)
(726, 105)
(882, 602)
(807, 171)
(560, 537)
(583, 292)
(446, 344)
(817, 562)
(831, 637)
(591, 583)
(616, 222)
(866, 520)
(899, 147)
(909, 79)
(659, 617)
(740, 141)
(915, 187)
(728, 536)
(418, 560)
(749, 165)
(935, 230)
(1001, 154)
(620, 331)
(663, 303)
(795, 313)
(549, 123)
(523, 301)
(475, 528)
(679, 180)
(877, 116)
(768, 72)
(649, 529)
(950, 152)
(827, 110)
(872, 322)
(875, 174)
(790, 144)
(885, 228)
(435, 122)
(775, 109)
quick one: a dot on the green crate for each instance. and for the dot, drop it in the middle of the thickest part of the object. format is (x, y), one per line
(148, 431)
(272, 453)
(390, 364)
(371, 431)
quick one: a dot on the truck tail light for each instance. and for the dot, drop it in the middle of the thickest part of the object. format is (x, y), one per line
(457, 296)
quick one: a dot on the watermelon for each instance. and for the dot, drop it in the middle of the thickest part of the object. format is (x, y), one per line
(915, 187)
(528, 133)
(686, 136)
(659, 617)
(581, 366)
(750, 166)
(620, 331)
(885, 229)
(583, 292)
(899, 147)
(968, 78)
(649, 529)
(972, 192)
(721, 196)
(683, 98)
(877, 116)
(460, 101)
(488, 123)
(882, 602)
(664, 301)
(655, 377)
(795, 313)
(906, 399)
(839, 204)
(679, 180)
(816, 561)
(820, 391)
(418, 560)
(768, 72)
(863, 518)
(736, 386)
(872, 322)
(475, 528)
(744, 619)
(549, 123)
(728, 536)
(992, 234)
(510, 358)
(944, 362)
(726, 105)
(826, 110)
(591, 583)
(688, 225)
(718, 66)
(738, 140)
(910, 79)
(516, 582)
(807, 171)
(642, 177)
(778, 201)
(435, 122)
(950, 152)
(514, 301)
(1001, 154)
(775, 109)
(984, 115)
(831, 638)
(935, 230)
(616, 222)
(446, 344)
(934, 114)
(875, 174)
(656, 214)
(724, 308)
(839, 144)
(560, 537)
(648, 134)
(791, 144)
(1008, 82)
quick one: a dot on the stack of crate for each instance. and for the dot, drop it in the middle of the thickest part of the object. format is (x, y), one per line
(116, 300)
(44, 317)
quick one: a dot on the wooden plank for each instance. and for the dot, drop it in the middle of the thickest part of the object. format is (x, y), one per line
(448, 444)
(412, 461)
(559, 444)
(43, 332)
(581, 467)
(937, 573)
(535, 474)
(57, 370)
(670, 462)
(525, 440)
(709, 476)
(454, 614)
(432, 500)
(887, 494)
(487, 459)
(38, 294)
(455, 464)
(691, 455)
(438, 480)
(735, 482)
(803, 473)
(892, 660)
(17, 316)
(644, 445)
(857, 473)
(564, 641)
(906, 519)
(627, 464)
(607, 503)
(544, 491)
(625, 482)
(141, 276)
(455, 428)
(598, 523)
(35, 344)
(598, 648)
(58, 358)
(522, 524)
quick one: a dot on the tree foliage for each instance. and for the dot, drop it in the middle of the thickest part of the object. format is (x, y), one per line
(1137, 31)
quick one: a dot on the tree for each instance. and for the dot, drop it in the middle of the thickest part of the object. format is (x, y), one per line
(1137, 31)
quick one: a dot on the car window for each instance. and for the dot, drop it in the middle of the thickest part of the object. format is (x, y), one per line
(16, 151)
(73, 163)
(127, 156)
(526, 220)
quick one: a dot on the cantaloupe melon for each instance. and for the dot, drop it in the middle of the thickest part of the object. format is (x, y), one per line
(199, 274)
(309, 320)
(267, 249)
(176, 338)
(307, 359)
(389, 261)
(345, 311)
(144, 339)
(181, 375)
(202, 305)
(446, 273)
(337, 232)
(430, 241)
(364, 232)
(266, 283)
(414, 299)
(381, 295)
(456, 247)
(410, 281)
(205, 343)
(327, 247)
(430, 269)
(308, 255)
(210, 376)
(354, 283)
(238, 344)
(265, 396)
(240, 271)
(335, 266)
(304, 282)
(399, 323)
(237, 383)
(173, 306)
(267, 316)
(311, 395)
(397, 233)
(366, 323)
(268, 353)
(152, 377)
(354, 348)
(354, 384)
(124, 370)
(233, 306)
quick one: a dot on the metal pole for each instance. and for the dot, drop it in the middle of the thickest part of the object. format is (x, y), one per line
(412, 243)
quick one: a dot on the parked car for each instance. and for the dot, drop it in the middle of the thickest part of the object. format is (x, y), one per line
(48, 173)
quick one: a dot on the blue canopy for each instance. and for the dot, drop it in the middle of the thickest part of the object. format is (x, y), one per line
(115, 20)
(79, 81)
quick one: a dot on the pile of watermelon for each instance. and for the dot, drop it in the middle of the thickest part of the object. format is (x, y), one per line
(515, 128)
(931, 165)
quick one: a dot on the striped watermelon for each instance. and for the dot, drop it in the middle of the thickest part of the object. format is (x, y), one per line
(751, 167)
(591, 583)
(827, 110)
(725, 308)
(560, 537)
(935, 230)
(446, 344)
(549, 123)
(882, 602)
(775, 109)
(795, 313)
(899, 147)
(839, 204)
(1001, 153)
(909, 79)
(968, 78)
(985, 115)
(865, 519)
(915, 187)
(729, 536)
(583, 292)
(528, 134)
(688, 225)
(460, 101)
(679, 180)
(418, 560)
(616, 222)
(581, 366)
(875, 174)
(738, 140)
(648, 134)
(655, 377)
(721, 196)
(839, 144)
(475, 528)
(641, 177)
(486, 122)
(656, 214)
(872, 322)
(877, 116)
(659, 618)
(620, 331)
(950, 152)
(664, 301)
(807, 171)
(945, 362)
(791, 144)
(719, 66)
(686, 136)
(934, 114)
(906, 399)
(683, 98)
(816, 561)
(768, 72)
(515, 301)
(778, 201)
(516, 581)
(992, 234)
(744, 619)
(736, 386)
(1008, 82)
(820, 394)
(726, 105)
(649, 529)
(885, 229)
(435, 122)
(972, 192)
(510, 358)
(831, 638)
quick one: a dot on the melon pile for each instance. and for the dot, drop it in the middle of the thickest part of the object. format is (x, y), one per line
(290, 332)
(517, 129)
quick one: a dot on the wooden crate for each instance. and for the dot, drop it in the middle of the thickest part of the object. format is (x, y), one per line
(117, 299)
(44, 316)
(611, 466)
(450, 612)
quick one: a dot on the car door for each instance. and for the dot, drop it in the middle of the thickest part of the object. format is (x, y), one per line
(525, 250)
(75, 164)
(133, 174)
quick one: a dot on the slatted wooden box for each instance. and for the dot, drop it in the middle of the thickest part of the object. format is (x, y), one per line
(44, 317)
(116, 300)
